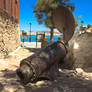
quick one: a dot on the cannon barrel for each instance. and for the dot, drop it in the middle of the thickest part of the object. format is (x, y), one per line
(43, 62)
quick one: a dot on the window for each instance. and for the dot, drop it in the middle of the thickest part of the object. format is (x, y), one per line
(5, 4)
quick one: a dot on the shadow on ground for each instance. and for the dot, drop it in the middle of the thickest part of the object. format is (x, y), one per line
(33, 49)
(66, 82)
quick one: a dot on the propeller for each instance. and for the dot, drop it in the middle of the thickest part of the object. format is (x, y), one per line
(64, 21)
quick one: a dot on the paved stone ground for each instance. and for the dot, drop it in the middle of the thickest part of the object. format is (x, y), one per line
(68, 80)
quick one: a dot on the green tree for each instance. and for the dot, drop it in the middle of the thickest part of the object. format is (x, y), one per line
(88, 26)
(82, 22)
(44, 12)
(77, 20)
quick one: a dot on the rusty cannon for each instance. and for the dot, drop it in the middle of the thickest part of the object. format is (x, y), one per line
(43, 64)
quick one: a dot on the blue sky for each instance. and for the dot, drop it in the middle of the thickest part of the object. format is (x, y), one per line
(83, 9)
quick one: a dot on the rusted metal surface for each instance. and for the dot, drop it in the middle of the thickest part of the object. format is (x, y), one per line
(42, 64)
(64, 21)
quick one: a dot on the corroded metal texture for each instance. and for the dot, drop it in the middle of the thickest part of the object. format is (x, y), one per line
(43, 64)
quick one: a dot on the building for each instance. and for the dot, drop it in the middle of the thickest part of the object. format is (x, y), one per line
(83, 27)
(10, 8)
(9, 26)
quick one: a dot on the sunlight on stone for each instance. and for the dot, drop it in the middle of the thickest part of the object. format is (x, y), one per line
(40, 83)
(7, 89)
(79, 70)
(76, 45)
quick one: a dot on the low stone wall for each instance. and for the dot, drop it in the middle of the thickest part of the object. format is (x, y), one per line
(80, 52)
(9, 35)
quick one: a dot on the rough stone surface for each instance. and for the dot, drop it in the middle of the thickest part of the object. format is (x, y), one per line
(9, 35)
(80, 52)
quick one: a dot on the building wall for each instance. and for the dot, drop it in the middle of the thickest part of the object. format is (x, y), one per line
(12, 8)
(17, 11)
(1, 4)
(9, 27)
(9, 8)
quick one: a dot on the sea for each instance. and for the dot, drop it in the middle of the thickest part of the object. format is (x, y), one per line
(33, 38)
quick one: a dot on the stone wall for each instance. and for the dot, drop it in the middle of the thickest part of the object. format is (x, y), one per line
(9, 35)
(80, 52)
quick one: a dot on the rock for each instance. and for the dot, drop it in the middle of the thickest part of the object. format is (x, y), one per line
(80, 52)
(40, 83)
(55, 90)
(79, 70)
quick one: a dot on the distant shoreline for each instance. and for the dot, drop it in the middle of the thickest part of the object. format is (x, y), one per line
(33, 37)
(46, 33)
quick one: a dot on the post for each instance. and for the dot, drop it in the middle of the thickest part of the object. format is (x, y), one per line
(51, 34)
(30, 31)
(23, 37)
(36, 38)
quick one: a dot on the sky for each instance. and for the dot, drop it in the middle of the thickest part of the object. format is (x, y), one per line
(26, 15)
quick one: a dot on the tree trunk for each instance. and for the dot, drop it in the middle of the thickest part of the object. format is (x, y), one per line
(51, 34)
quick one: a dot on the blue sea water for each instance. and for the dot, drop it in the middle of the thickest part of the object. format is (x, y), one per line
(33, 38)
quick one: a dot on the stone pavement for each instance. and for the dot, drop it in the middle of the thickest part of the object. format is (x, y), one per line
(68, 80)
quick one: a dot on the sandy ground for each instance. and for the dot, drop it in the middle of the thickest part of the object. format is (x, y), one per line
(68, 80)
(32, 44)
